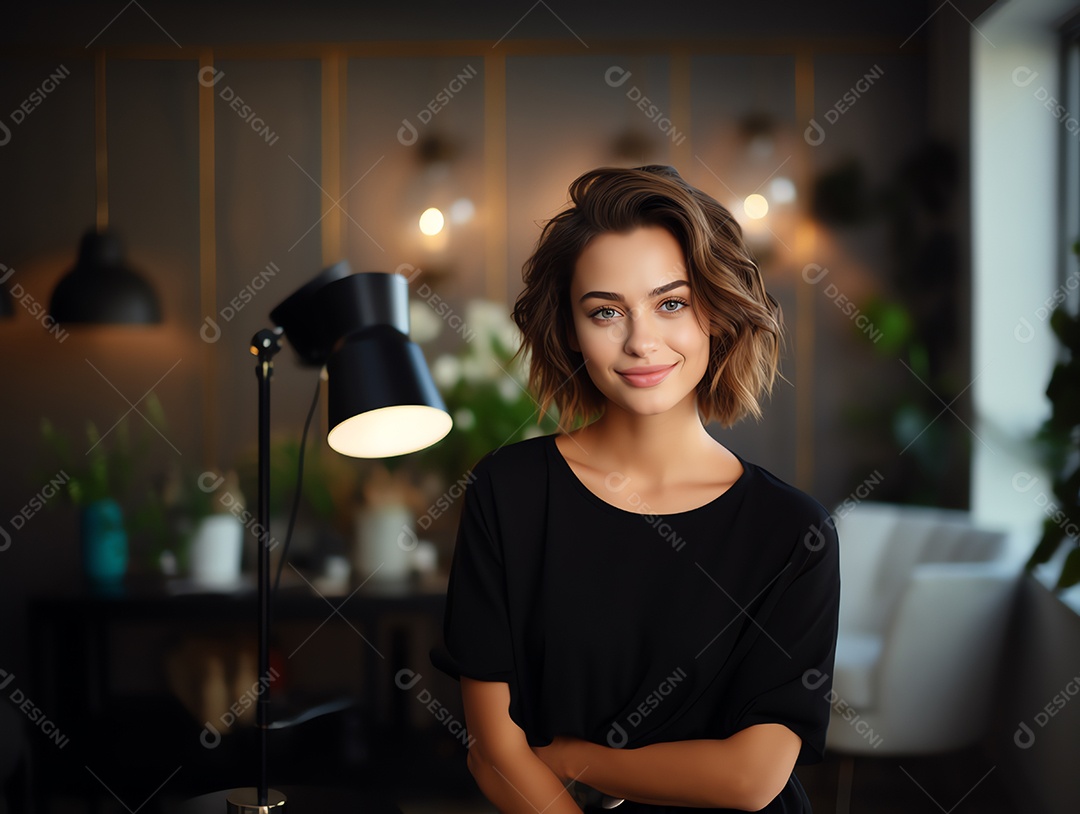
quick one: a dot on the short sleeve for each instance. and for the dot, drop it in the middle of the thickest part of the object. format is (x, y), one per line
(786, 676)
(476, 628)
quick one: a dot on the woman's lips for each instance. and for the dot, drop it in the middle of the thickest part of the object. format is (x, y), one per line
(646, 376)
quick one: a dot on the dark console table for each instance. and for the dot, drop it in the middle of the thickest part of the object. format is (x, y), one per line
(114, 739)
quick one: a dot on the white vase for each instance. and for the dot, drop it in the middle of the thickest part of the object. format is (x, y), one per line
(216, 550)
(384, 542)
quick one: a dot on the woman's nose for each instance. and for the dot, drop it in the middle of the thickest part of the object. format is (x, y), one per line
(640, 334)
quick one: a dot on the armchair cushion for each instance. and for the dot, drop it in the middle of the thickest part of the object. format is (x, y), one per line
(924, 602)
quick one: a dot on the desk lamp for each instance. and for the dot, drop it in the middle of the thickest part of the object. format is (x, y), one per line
(382, 402)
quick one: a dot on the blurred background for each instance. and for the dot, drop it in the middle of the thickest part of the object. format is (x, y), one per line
(906, 174)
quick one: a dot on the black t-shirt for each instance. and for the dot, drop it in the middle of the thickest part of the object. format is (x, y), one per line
(627, 628)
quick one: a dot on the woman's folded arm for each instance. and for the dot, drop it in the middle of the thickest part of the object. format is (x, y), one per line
(745, 771)
(505, 768)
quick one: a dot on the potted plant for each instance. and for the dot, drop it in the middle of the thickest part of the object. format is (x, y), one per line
(98, 482)
(208, 511)
(486, 394)
(1059, 441)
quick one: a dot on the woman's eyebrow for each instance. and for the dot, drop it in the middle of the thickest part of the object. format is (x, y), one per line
(612, 295)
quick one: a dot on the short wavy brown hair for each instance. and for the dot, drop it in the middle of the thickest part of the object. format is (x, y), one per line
(727, 292)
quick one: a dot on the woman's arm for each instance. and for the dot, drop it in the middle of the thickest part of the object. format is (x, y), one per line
(745, 771)
(506, 769)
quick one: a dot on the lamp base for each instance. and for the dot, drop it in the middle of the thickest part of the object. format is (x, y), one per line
(246, 801)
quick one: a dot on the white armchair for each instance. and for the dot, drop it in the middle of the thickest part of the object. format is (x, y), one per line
(924, 604)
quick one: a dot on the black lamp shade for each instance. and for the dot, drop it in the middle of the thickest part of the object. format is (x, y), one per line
(102, 290)
(337, 304)
(382, 399)
(363, 301)
(299, 316)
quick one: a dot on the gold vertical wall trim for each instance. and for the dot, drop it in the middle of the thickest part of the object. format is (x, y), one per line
(208, 258)
(682, 150)
(101, 146)
(495, 172)
(333, 89)
(804, 293)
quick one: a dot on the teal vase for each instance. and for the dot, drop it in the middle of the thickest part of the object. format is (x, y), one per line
(104, 541)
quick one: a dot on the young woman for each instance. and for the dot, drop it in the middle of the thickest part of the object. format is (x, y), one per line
(638, 616)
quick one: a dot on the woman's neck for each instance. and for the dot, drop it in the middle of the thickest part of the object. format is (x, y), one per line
(658, 447)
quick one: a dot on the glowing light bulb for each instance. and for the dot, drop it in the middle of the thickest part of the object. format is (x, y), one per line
(755, 206)
(432, 221)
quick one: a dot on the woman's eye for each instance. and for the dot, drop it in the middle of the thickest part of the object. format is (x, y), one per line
(599, 312)
(680, 303)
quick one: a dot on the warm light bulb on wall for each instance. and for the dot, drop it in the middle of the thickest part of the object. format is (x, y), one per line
(755, 206)
(431, 221)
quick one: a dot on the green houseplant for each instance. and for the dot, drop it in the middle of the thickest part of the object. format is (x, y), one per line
(1059, 441)
(98, 483)
(486, 394)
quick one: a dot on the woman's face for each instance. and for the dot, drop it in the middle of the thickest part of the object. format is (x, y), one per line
(632, 309)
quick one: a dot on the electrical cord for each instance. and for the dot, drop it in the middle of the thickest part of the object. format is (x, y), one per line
(299, 486)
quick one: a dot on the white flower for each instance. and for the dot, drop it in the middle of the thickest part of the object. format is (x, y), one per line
(464, 419)
(480, 367)
(446, 371)
(491, 320)
(424, 325)
(509, 390)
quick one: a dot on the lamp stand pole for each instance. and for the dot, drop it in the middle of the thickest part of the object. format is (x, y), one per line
(262, 800)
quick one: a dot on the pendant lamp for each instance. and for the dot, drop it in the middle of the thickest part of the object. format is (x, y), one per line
(102, 289)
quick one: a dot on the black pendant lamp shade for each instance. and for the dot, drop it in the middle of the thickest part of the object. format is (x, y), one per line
(102, 290)
(382, 398)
